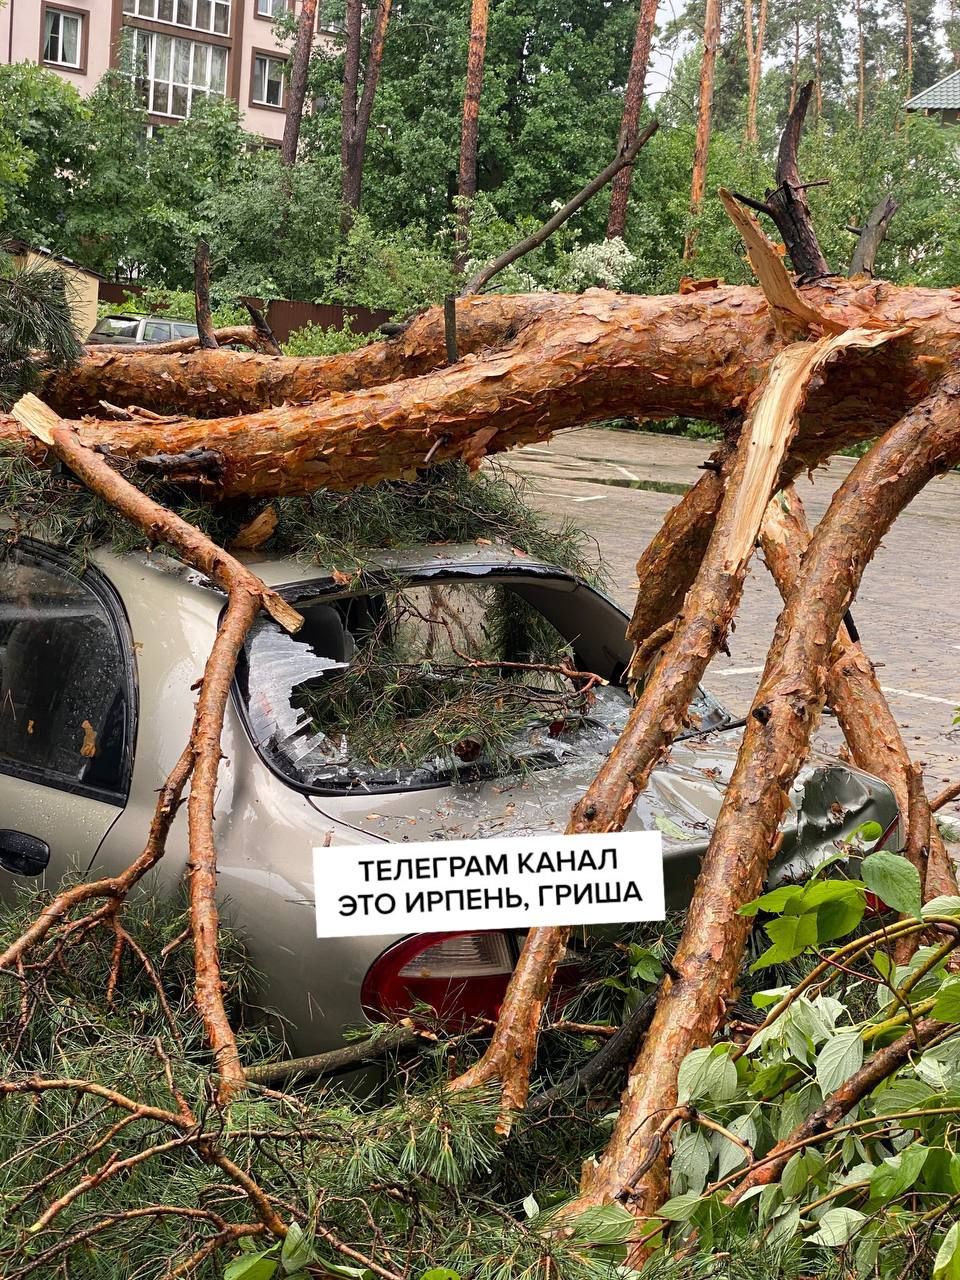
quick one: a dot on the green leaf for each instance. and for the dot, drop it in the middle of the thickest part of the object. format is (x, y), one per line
(946, 1265)
(440, 1273)
(691, 1161)
(947, 1007)
(869, 832)
(898, 1173)
(296, 1251)
(790, 936)
(253, 1266)
(605, 1224)
(946, 905)
(836, 1227)
(707, 1073)
(670, 829)
(679, 1208)
(839, 906)
(774, 902)
(783, 1228)
(838, 1059)
(894, 880)
(530, 1206)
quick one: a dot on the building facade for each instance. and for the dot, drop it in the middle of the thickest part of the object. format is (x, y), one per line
(183, 50)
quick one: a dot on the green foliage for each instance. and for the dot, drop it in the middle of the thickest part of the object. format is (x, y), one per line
(338, 530)
(36, 327)
(877, 1187)
(315, 340)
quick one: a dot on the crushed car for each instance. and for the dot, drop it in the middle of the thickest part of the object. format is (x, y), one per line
(441, 693)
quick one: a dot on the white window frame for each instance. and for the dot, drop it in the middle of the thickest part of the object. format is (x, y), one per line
(77, 19)
(151, 9)
(267, 58)
(199, 78)
(271, 8)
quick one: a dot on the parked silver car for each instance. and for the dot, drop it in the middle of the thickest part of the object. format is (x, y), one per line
(131, 329)
(96, 669)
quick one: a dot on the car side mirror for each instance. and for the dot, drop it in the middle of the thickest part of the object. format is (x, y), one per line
(22, 854)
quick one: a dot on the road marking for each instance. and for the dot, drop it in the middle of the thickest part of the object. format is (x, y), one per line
(926, 697)
(887, 688)
(597, 498)
(630, 476)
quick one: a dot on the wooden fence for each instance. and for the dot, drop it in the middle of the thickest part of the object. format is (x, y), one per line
(283, 315)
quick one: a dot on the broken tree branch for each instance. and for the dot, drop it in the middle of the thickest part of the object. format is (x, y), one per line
(246, 596)
(265, 335)
(201, 293)
(872, 236)
(853, 690)
(787, 205)
(790, 696)
(627, 154)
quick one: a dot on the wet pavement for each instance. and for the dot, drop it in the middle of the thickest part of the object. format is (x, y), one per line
(618, 486)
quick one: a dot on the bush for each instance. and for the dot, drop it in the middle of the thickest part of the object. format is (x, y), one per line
(315, 340)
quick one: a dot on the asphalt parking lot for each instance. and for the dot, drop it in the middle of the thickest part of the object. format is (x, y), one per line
(618, 485)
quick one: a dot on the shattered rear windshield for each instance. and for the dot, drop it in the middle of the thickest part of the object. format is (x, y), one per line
(417, 684)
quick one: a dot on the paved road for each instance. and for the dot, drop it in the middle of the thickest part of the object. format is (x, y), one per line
(618, 485)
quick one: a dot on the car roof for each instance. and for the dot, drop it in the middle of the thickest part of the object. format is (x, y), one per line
(142, 315)
(288, 571)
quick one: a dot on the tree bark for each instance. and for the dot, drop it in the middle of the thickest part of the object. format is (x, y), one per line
(861, 65)
(470, 127)
(852, 688)
(925, 442)
(201, 292)
(871, 237)
(754, 64)
(630, 120)
(297, 86)
(701, 149)
(357, 107)
(699, 355)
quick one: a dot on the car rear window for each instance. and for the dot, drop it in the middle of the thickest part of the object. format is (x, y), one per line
(421, 683)
(117, 327)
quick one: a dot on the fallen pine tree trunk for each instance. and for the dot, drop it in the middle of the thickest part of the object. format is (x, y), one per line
(700, 355)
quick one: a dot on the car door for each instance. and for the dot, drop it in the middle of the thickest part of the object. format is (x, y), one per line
(155, 331)
(67, 713)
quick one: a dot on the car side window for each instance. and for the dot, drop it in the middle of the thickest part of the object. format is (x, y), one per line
(185, 330)
(66, 695)
(154, 332)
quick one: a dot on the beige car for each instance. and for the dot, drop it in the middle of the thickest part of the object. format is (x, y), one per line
(96, 669)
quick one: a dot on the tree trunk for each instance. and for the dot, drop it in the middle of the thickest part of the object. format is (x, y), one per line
(701, 150)
(861, 69)
(357, 107)
(587, 358)
(852, 688)
(795, 68)
(630, 120)
(470, 129)
(818, 68)
(908, 42)
(775, 740)
(297, 86)
(754, 64)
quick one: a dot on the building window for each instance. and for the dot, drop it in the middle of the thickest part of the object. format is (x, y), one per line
(200, 15)
(62, 38)
(267, 90)
(173, 74)
(271, 8)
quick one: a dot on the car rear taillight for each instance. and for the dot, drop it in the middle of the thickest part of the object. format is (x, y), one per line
(463, 976)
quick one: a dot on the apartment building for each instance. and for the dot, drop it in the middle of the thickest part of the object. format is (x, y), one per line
(183, 50)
